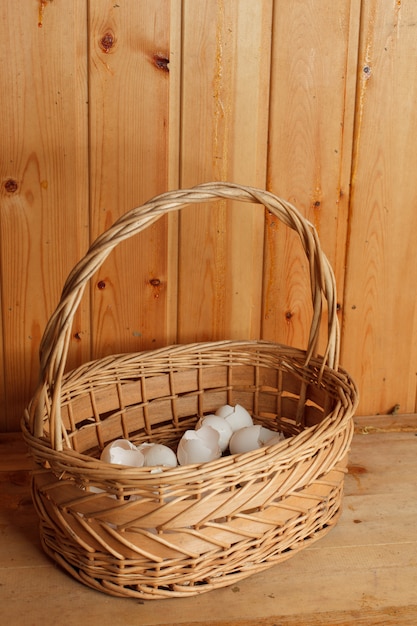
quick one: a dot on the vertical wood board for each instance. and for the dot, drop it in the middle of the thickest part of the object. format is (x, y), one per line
(311, 130)
(130, 92)
(225, 94)
(381, 306)
(44, 175)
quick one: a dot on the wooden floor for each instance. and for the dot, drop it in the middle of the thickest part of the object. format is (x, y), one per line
(364, 571)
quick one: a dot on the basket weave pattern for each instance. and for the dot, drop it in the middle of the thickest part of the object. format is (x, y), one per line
(178, 532)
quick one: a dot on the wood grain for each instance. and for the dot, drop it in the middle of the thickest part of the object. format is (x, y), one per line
(381, 308)
(225, 78)
(311, 129)
(44, 174)
(105, 104)
(130, 69)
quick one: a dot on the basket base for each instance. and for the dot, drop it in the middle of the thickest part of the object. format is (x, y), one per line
(147, 587)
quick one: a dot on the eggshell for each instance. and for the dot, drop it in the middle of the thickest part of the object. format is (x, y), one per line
(158, 454)
(221, 425)
(122, 452)
(199, 446)
(225, 410)
(266, 435)
(277, 438)
(245, 439)
(237, 416)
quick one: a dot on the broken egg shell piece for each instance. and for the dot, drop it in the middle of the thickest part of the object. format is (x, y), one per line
(266, 434)
(277, 438)
(219, 424)
(245, 439)
(122, 452)
(237, 416)
(199, 446)
(156, 454)
(225, 410)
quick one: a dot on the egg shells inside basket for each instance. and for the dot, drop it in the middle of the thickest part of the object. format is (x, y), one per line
(156, 454)
(219, 424)
(250, 438)
(122, 452)
(237, 416)
(199, 446)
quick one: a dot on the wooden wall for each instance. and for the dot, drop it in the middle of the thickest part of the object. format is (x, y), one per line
(106, 103)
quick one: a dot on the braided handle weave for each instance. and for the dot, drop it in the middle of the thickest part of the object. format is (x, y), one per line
(56, 338)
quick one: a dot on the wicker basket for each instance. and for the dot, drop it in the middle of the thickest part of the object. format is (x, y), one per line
(191, 529)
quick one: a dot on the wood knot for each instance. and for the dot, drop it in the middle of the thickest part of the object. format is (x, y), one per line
(161, 62)
(11, 185)
(107, 42)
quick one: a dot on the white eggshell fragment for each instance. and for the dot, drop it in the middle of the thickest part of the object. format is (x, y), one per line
(156, 454)
(221, 425)
(225, 410)
(237, 416)
(199, 446)
(122, 452)
(266, 434)
(245, 439)
(277, 438)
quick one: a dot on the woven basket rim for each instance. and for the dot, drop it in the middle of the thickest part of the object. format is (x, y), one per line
(83, 465)
(310, 437)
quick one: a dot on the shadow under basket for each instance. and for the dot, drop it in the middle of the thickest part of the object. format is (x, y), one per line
(156, 533)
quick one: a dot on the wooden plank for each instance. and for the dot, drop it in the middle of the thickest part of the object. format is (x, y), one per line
(394, 459)
(226, 52)
(131, 98)
(310, 132)
(381, 309)
(386, 423)
(44, 174)
(364, 617)
(14, 453)
(48, 600)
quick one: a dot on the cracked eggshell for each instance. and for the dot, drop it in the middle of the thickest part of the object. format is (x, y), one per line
(245, 439)
(220, 425)
(122, 452)
(277, 438)
(266, 434)
(237, 416)
(199, 446)
(157, 454)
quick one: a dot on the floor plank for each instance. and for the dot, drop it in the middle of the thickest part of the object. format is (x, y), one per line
(363, 571)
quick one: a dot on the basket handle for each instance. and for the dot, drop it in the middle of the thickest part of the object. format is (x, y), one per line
(56, 338)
